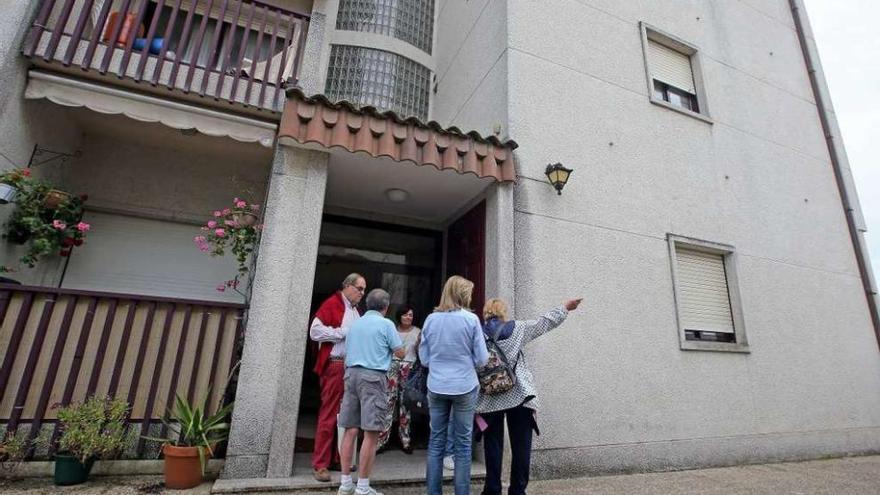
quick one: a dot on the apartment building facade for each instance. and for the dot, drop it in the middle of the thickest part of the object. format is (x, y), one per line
(710, 221)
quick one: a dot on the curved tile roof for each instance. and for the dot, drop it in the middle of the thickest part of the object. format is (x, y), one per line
(316, 119)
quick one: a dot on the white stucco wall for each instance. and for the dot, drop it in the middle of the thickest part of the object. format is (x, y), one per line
(617, 391)
(470, 46)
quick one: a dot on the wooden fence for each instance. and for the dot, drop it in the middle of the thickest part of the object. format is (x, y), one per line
(59, 346)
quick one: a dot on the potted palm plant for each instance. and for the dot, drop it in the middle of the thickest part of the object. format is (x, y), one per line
(94, 429)
(193, 437)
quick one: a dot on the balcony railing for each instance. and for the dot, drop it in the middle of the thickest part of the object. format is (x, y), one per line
(59, 346)
(240, 51)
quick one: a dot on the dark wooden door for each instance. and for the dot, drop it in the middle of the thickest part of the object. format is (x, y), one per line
(466, 252)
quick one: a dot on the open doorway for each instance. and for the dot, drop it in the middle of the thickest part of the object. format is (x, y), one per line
(409, 263)
(405, 261)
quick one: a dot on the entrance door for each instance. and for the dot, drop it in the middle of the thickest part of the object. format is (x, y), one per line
(466, 252)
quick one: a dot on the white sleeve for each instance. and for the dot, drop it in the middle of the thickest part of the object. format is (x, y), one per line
(319, 332)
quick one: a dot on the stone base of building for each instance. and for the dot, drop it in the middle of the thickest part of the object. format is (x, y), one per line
(675, 455)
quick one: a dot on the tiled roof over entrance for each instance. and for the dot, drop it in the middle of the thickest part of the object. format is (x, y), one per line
(318, 120)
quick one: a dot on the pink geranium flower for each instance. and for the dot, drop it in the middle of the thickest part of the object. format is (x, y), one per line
(230, 223)
(202, 242)
(221, 287)
(26, 172)
(240, 204)
(220, 232)
(59, 225)
(218, 213)
(227, 211)
(212, 224)
(83, 227)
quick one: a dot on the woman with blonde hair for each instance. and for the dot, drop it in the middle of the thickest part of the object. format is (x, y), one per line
(452, 347)
(519, 404)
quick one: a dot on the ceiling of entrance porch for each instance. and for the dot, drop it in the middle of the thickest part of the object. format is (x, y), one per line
(357, 183)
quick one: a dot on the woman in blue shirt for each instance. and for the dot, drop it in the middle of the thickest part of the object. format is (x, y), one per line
(452, 347)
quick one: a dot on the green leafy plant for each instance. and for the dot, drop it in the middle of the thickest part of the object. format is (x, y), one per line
(44, 229)
(13, 450)
(191, 426)
(93, 429)
(15, 177)
(237, 229)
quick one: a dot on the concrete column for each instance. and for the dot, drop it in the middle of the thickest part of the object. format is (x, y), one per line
(500, 244)
(267, 398)
(316, 55)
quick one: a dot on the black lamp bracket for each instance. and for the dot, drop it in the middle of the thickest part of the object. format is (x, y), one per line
(42, 156)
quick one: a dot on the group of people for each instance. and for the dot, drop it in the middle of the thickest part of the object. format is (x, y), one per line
(364, 361)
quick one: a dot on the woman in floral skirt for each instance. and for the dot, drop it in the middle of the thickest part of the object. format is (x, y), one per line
(397, 375)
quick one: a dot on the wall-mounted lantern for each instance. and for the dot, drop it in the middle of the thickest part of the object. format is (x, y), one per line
(558, 176)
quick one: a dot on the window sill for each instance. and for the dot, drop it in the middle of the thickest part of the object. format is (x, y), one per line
(693, 345)
(683, 111)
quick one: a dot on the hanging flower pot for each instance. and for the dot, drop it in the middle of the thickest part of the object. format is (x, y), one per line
(246, 219)
(55, 198)
(7, 193)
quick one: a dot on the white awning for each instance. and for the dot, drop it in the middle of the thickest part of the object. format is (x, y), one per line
(104, 99)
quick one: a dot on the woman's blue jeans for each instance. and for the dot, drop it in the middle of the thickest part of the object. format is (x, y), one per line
(456, 411)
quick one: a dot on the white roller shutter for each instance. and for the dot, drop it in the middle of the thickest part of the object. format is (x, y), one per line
(671, 67)
(147, 257)
(704, 300)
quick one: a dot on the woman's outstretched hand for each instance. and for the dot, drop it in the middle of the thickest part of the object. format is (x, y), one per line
(572, 304)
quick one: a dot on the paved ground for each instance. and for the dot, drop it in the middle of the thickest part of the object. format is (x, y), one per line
(853, 475)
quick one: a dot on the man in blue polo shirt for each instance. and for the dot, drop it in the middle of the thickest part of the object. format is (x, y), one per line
(371, 341)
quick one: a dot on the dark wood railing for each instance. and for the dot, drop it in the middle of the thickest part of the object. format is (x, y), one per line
(242, 51)
(59, 346)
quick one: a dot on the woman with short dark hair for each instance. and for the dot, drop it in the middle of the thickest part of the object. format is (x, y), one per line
(397, 375)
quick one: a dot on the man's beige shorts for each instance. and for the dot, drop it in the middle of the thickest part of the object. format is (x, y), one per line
(365, 401)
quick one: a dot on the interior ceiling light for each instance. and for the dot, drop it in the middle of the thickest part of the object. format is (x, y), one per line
(396, 195)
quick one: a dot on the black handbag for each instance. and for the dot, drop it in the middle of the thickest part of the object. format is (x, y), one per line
(415, 389)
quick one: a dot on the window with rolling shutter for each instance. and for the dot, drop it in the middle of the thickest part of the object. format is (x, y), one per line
(673, 72)
(704, 300)
(707, 298)
(671, 67)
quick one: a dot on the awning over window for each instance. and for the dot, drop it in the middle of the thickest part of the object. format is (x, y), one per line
(104, 99)
(317, 120)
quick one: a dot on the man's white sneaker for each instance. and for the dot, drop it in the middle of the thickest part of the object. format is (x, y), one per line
(371, 491)
(346, 490)
(449, 463)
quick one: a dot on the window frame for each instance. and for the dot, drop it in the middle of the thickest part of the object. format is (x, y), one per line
(650, 33)
(730, 269)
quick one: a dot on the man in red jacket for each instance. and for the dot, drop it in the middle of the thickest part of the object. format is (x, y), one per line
(329, 328)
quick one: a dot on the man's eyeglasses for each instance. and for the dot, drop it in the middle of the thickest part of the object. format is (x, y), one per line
(359, 289)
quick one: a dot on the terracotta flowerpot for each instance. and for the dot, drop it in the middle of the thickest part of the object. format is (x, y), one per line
(55, 198)
(182, 467)
(246, 219)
